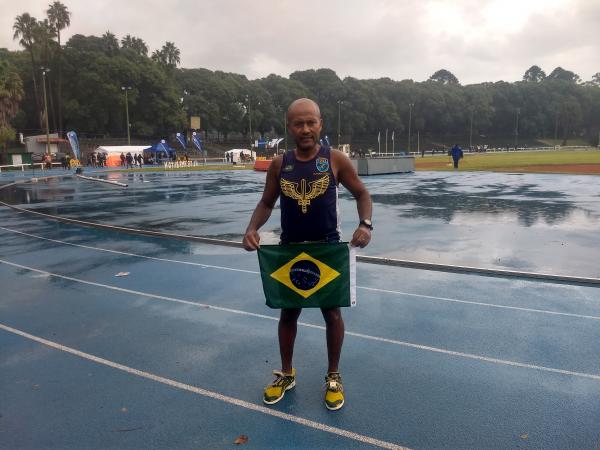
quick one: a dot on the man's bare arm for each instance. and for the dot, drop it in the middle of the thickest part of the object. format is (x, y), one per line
(264, 208)
(348, 177)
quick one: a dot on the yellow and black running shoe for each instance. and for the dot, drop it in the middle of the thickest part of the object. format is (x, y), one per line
(334, 394)
(276, 390)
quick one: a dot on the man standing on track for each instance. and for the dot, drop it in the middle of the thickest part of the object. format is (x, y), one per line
(319, 222)
(457, 155)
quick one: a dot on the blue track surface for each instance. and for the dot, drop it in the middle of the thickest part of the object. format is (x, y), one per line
(430, 360)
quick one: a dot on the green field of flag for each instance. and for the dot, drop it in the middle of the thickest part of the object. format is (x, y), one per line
(308, 275)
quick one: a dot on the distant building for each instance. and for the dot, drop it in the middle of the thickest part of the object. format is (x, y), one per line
(36, 145)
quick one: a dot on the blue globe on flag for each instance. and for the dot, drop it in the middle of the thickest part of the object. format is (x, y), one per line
(305, 275)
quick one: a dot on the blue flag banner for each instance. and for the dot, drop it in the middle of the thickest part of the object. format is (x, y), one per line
(72, 136)
(181, 139)
(273, 143)
(196, 140)
(324, 141)
(308, 275)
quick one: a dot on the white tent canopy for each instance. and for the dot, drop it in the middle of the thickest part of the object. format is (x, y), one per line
(237, 152)
(111, 149)
(113, 152)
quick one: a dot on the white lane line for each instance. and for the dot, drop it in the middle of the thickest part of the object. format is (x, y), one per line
(206, 266)
(210, 394)
(319, 327)
(143, 294)
(428, 297)
(490, 305)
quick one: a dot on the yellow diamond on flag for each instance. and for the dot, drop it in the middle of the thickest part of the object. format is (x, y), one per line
(305, 275)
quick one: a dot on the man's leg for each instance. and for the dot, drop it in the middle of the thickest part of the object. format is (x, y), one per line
(286, 378)
(334, 394)
(335, 336)
(288, 325)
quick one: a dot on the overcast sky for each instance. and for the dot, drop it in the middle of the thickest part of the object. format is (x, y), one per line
(477, 40)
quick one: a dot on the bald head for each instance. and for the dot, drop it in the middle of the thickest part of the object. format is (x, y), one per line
(303, 106)
(305, 124)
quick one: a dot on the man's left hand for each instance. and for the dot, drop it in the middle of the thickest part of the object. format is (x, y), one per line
(361, 237)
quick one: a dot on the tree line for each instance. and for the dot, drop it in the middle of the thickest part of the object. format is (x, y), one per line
(87, 77)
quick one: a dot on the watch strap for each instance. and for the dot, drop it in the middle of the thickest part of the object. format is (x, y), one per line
(367, 224)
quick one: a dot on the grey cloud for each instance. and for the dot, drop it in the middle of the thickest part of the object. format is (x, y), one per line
(379, 38)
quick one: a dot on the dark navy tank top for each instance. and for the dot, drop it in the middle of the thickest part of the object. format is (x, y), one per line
(309, 199)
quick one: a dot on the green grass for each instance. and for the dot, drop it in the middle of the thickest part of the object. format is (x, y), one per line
(511, 161)
(491, 162)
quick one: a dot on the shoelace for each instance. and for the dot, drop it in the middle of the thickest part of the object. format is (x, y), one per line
(280, 380)
(333, 383)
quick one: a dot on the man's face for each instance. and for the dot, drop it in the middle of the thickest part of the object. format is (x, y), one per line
(305, 126)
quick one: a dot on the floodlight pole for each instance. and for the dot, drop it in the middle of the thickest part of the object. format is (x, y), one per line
(127, 88)
(285, 133)
(44, 71)
(410, 107)
(471, 131)
(249, 121)
(339, 102)
(386, 135)
(517, 129)
(556, 128)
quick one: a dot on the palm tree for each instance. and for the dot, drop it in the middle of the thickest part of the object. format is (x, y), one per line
(168, 56)
(140, 46)
(111, 43)
(159, 57)
(172, 54)
(127, 41)
(136, 44)
(24, 28)
(43, 38)
(11, 92)
(60, 18)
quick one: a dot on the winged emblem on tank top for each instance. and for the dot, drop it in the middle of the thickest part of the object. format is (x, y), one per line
(317, 188)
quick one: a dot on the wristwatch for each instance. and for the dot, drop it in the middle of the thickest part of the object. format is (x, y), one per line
(367, 223)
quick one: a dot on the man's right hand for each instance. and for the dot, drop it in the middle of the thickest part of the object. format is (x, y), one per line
(251, 240)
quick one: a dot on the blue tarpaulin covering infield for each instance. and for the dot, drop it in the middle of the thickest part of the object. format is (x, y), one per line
(113, 340)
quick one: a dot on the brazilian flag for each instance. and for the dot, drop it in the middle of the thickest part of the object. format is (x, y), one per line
(308, 275)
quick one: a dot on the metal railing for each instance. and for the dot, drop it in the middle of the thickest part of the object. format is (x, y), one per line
(441, 152)
(42, 165)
